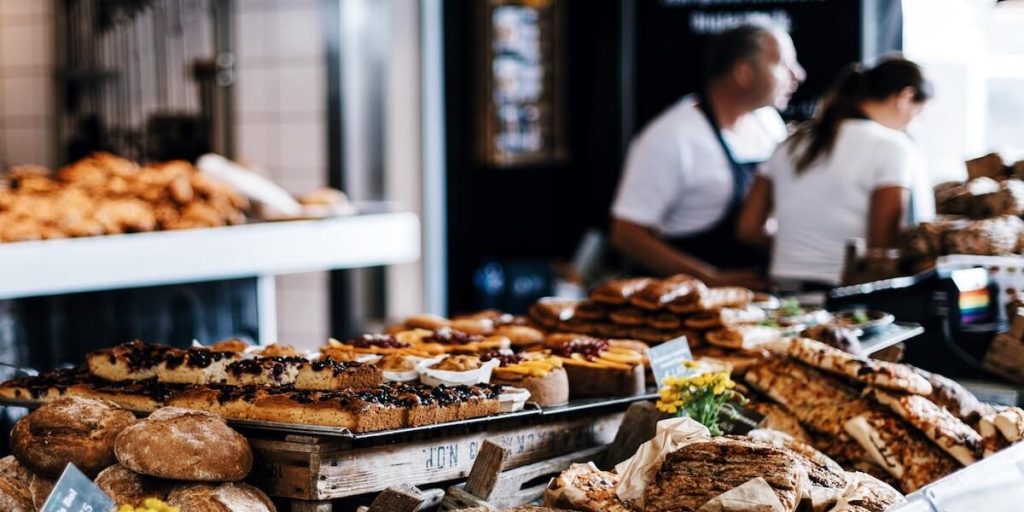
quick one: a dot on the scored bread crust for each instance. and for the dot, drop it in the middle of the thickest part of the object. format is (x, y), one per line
(881, 374)
(127, 487)
(937, 424)
(227, 497)
(184, 444)
(15, 486)
(74, 430)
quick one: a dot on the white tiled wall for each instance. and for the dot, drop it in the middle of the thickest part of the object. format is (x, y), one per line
(26, 82)
(281, 113)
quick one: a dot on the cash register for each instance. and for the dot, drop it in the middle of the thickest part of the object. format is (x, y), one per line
(958, 308)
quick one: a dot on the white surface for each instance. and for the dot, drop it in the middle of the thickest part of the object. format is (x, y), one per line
(677, 179)
(818, 210)
(145, 259)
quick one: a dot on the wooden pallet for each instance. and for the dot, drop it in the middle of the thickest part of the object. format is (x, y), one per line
(312, 470)
(491, 488)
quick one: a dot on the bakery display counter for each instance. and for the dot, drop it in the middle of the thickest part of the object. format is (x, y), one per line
(374, 237)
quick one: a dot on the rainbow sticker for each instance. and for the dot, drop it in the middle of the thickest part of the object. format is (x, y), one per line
(974, 305)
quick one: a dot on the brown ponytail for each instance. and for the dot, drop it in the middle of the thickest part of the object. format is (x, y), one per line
(842, 102)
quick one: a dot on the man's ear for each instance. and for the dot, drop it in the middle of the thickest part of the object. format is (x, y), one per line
(743, 73)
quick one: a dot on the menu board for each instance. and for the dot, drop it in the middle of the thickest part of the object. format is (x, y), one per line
(521, 115)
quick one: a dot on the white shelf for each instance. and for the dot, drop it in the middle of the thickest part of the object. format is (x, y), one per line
(54, 267)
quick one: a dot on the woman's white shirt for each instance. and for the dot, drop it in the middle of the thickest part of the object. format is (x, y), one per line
(820, 209)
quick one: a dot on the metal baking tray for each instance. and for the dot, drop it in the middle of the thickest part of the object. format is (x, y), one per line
(583, 404)
(895, 333)
(530, 409)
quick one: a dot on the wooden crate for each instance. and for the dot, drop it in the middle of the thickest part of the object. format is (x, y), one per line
(319, 469)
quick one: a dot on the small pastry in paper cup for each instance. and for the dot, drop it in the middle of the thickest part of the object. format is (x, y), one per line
(400, 368)
(455, 370)
(512, 399)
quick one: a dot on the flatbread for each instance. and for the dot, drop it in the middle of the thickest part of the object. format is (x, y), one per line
(905, 454)
(937, 424)
(880, 374)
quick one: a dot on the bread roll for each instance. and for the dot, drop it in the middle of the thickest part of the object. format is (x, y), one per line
(15, 481)
(75, 430)
(184, 444)
(229, 497)
(127, 487)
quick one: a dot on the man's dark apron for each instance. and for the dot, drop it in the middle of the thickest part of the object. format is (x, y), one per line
(718, 245)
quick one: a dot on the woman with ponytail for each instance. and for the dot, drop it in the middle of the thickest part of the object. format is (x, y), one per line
(845, 174)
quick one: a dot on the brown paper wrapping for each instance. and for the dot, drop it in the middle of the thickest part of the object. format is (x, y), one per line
(638, 471)
(753, 496)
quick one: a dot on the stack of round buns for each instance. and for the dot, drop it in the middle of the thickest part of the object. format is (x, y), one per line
(190, 459)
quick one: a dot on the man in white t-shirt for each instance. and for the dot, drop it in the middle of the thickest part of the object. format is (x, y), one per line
(687, 172)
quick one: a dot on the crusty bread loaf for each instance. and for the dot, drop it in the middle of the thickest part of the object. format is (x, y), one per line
(15, 483)
(183, 444)
(73, 430)
(127, 487)
(229, 497)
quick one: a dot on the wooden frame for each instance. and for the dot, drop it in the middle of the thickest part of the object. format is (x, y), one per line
(520, 116)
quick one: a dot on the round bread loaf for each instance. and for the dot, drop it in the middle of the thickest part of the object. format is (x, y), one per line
(229, 497)
(127, 487)
(15, 481)
(184, 444)
(80, 431)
